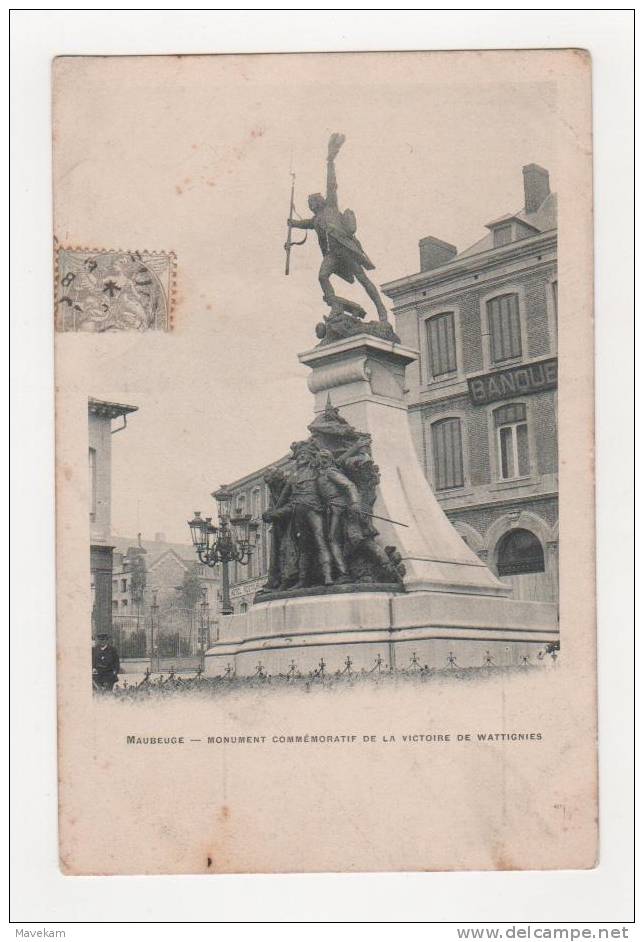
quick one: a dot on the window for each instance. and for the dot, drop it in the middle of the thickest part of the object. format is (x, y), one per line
(512, 437)
(555, 312)
(115, 585)
(124, 603)
(257, 503)
(243, 608)
(448, 454)
(502, 235)
(123, 585)
(92, 483)
(441, 344)
(504, 325)
(115, 604)
(520, 551)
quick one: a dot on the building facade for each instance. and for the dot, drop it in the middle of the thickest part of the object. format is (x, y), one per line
(162, 587)
(165, 567)
(251, 495)
(101, 415)
(483, 395)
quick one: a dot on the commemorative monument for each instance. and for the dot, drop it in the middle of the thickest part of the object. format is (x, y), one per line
(364, 563)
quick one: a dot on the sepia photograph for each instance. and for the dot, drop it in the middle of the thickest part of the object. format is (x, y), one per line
(321, 327)
(308, 342)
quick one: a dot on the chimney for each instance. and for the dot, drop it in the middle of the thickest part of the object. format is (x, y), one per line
(159, 537)
(536, 186)
(434, 253)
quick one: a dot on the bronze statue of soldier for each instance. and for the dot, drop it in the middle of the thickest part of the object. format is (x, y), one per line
(321, 512)
(283, 554)
(307, 495)
(300, 498)
(342, 253)
(341, 499)
(349, 530)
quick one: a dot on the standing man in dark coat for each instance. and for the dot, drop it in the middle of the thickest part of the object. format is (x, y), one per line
(105, 663)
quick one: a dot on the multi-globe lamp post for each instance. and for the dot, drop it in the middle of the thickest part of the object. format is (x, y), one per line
(232, 539)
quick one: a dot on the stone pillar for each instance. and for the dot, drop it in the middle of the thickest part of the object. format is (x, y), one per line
(101, 570)
(364, 377)
(552, 566)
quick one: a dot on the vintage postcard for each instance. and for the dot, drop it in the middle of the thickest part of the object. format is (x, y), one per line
(324, 431)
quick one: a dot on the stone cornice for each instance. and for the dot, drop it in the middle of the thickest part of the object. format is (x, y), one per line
(480, 263)
(110, 410)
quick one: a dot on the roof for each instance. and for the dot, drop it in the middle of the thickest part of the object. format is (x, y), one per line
(110, 410)
(543, 220)
(155, 548)
(509, 217)
(257, 475)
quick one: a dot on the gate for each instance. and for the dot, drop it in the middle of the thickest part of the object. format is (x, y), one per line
(171, 637)
(178, 637)
(130, 635)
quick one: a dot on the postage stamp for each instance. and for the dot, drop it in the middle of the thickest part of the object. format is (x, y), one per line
(101, 290)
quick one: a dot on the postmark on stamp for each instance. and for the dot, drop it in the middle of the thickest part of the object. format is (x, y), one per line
(99, 290)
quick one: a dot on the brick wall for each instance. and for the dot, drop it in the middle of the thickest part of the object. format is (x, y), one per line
(482, 518)
(536, 293)
(411, 330)
(476, 434)
(472, 343)
(544, 417)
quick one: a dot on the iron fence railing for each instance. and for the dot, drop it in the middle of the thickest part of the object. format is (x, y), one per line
(168, 635)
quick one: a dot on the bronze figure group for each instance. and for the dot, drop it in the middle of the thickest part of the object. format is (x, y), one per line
(321, 504)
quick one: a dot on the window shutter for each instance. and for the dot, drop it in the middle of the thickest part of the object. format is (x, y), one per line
(502, 235)
(448, 454)
(504, 326)
(442, 344)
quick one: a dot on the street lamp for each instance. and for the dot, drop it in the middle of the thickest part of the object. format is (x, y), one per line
(233, 539)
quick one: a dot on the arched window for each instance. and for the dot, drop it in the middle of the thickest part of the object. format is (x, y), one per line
(243, 608)
(448, 454)
(519, 551)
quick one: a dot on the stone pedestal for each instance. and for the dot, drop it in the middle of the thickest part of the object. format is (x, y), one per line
(453, 609)
(365, 379)
(393, 626)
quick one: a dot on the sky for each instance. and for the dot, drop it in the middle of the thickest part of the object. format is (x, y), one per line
(193, 154)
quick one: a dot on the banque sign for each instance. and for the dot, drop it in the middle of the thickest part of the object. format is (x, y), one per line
(515, 381)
